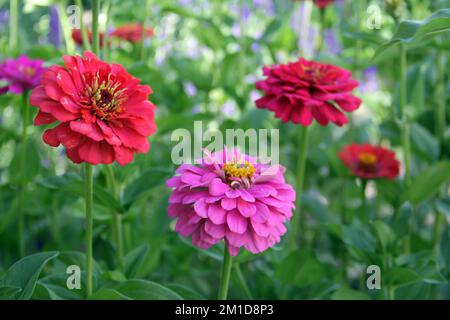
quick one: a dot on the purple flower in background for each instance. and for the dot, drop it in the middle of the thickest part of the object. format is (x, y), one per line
(54, 35)
(369, 82)
(266, 5)
(190, 89)
(333, 45)
(186, 3)
(20, 74)
(4, 17)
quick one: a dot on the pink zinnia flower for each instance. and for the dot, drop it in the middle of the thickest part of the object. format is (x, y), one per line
(303, 90)
(370, 162)
(103, 111)
(231, 196)
(20, 74)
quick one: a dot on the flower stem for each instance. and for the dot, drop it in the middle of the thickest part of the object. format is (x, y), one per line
(143, 33)
(240, 278)
(116, 219)
(13, 24)
(322, 31)
(298, 221)
(441, 97)
(22, 184)
(364, 199)
(226, 272)
(402, 103)
(89, 227)
(84, 34)
(95, 34)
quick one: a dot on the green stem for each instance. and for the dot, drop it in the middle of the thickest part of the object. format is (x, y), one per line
(402, 105)
(23, 156)
(226, 272)
(240, 278)
(54, 219)
(364, 199)
(441, 97)
(437, 229)
(298, 221)
(66, 27)
(84, 33)
(116, 219)
(89, 227)
(13, 24)
(95, 32)
(144, 21)
(322, 31)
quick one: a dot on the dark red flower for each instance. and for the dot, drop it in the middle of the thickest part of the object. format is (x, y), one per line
(103, 111)
(323, 3)
(131, 32)
(370, 162)
(78, 38)
(302, 90)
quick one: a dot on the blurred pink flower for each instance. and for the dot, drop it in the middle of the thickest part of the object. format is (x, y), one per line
(231, 196)
(20, 74)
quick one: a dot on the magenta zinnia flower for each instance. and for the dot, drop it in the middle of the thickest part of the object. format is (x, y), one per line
(20, 74)
(305, 90)
(231, 196)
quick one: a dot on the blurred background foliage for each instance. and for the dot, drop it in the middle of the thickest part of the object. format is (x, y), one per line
(202, 64)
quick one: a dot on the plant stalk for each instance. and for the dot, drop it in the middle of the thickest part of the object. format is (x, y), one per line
(226, 272)
(89, 227)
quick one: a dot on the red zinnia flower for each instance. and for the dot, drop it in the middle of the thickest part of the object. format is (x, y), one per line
(78, 38)
(131, 32)
(370, 162)
(103, 111)
(303, 90)
(323, 3)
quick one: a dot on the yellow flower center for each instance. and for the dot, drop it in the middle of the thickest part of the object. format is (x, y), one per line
(29, 71)
(238, 170)
(105, 98)
(367, 158)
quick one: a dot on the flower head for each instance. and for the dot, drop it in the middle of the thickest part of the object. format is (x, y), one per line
(20, 74)
(370, 162)
(131, 32)
(103, 111)
(231, 196)
(78, 38)
(322, 4)
(305, 90)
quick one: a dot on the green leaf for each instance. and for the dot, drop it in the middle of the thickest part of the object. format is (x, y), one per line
(9, 292)
(300, 268)
(108, 294)
(134, 260)
(25, 272)
(32, 163)
(185, 292)
(409, 31)
(146, 181)
(101, 196)
(384, 233)
(400, 277)
(424, 143)
(428, 182)
(146, 290)
(349, 294)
